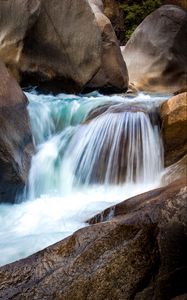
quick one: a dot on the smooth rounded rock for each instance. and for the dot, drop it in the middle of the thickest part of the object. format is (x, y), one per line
(112, 75)
(156, 54)
(61, 47)
(16, 18)
(113, 107)
(174, 127)
(16, 144)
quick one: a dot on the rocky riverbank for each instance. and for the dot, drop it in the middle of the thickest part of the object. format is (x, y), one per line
(133, 250)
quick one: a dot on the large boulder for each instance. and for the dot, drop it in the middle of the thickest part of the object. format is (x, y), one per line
(64, 46)
(156, 54)
(112, 75)
(16, 145)
(174, 128)
(125, 16)
(138, 254)
(16, 17)
(59, 46)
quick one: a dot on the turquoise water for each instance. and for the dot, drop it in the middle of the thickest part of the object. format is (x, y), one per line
(63, 190)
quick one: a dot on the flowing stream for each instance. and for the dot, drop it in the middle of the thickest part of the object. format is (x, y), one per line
(81, 166)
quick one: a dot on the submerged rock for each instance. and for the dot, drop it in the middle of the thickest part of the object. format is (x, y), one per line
(116, 144)
(62, 47)
(156, 54)
(16, 146)
(140, 253)
(113, 107)
(174, 128)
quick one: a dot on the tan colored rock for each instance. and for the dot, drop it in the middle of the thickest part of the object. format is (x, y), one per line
(174, 127)
(139, 254)
(16, 145)
(156, 54)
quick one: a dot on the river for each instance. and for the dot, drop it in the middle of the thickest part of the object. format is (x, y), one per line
(80, 168)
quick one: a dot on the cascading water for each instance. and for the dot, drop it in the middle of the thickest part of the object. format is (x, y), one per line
(114, 148)
(81, 166)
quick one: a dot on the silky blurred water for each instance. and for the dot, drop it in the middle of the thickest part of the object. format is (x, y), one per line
(61, 194)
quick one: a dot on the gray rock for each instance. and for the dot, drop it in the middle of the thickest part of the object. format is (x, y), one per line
(16, 145)
(156, 54)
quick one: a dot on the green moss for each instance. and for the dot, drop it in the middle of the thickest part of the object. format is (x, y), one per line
(135, 12)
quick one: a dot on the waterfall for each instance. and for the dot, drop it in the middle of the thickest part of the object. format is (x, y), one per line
(84, 163)
(114, 148)
(119, 146)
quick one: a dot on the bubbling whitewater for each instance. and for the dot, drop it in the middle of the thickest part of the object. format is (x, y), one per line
(81, 166)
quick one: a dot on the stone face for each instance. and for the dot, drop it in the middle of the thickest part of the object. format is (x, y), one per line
(174, 127)
(138, 254)
(16, 17)
(175, 171)
(16, 145)
(58, 46)
(63, 45)
(112, 75)
(156, 54)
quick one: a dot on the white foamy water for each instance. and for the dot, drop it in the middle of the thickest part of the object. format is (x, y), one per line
(64, 189)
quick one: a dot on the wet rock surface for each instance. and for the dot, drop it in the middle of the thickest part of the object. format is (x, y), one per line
(174, 128)
(112, 107)
(16, 146)
(139, 252)
(133, 250)
(175, 171)
(117, 124)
